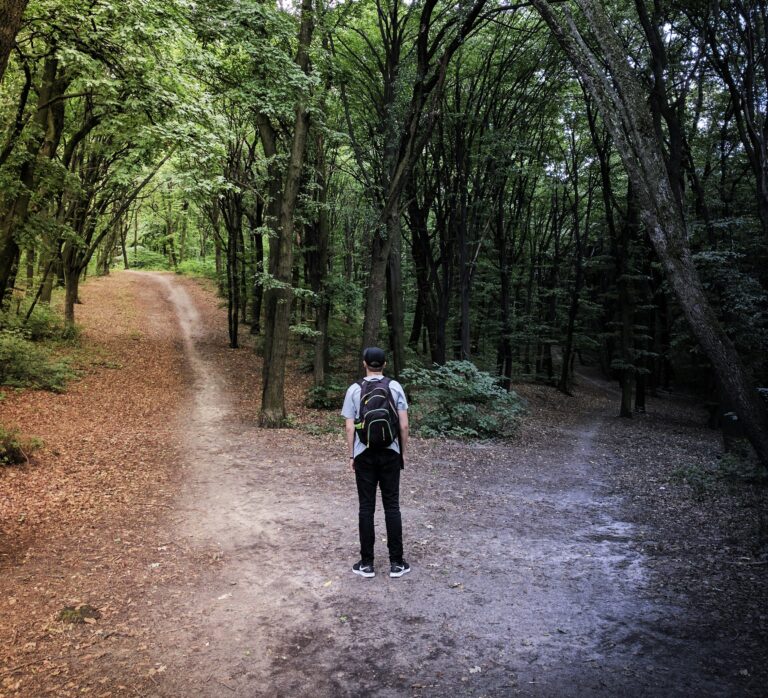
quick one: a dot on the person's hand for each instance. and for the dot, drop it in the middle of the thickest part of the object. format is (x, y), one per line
(352, 464)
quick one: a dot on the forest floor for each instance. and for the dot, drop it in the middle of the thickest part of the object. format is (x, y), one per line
(574, 562)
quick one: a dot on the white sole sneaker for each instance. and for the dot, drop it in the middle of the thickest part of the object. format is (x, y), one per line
(356, 569)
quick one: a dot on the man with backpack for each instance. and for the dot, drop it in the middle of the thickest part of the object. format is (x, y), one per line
(376, 422)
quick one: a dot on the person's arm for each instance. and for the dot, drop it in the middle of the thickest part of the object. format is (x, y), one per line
(349, 427)
(402, 416)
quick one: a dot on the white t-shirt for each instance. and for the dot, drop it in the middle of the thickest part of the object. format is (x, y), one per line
(351, 408)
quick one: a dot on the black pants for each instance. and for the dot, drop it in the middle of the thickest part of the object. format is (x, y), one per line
(380, 468)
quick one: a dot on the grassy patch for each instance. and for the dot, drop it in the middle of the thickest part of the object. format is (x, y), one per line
(204, 268)
(26, 364)
(30, 348)
(141, 258)
(732, 469)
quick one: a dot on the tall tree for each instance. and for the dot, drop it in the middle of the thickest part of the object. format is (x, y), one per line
(736, 35)
(404, 131)
(286, 184)
(597, 53)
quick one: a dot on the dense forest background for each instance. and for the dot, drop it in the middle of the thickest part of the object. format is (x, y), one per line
(528, 187)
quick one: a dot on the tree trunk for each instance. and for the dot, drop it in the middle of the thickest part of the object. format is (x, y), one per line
(440, 350)
(172, 256)
(374, 297)
(528, 310)
(320, 362)
(504, 351)
(233, 294)
(256, 220)
(104, 257)
(219, 263)
(15, 217)
(640, 381)
(258, 285)
(317, 261)
(71, 285)
(426, 312)
(123, 249)
(242, 269)
(232, 212)
(11, 15)
(46, 286)
(626, 301)
(465, 271)
(30, 270)
(277, 330)
(626, 373)
(183, 231)
(564, 385)
(395, 298)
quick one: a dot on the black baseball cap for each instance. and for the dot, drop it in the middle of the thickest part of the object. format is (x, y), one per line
(374, 357)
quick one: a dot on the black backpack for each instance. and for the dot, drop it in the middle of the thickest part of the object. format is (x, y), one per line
(378, 424)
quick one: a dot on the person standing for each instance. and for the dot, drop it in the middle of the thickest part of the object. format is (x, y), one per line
(376, 445)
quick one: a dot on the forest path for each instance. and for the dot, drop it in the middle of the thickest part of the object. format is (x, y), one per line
(526, 578)
(572, 562)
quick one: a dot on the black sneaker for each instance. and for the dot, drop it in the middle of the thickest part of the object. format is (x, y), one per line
(398, 569)
(364, 569)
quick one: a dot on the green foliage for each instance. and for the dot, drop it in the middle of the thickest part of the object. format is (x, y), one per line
(739, 297)
(701, 478)
(458, 400)
(25, 364)
(44, 323)
(304, 332)
(141, 258)
(329, 396)
(320, 429)
(205, 268)
(742, 467)
(14, 448)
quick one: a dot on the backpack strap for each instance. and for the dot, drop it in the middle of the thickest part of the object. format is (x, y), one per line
(384, 381)
(361, 383)
(390, 397)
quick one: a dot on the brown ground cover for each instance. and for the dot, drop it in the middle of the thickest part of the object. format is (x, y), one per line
(80, 523)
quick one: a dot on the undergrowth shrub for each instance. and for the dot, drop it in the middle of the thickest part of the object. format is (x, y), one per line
(141, 258)
(205, 268)
(43, 323)
(14, 448)
(329, 396)
(458, 400)
(24, 364)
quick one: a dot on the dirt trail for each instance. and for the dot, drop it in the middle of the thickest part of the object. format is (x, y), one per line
(526, 578)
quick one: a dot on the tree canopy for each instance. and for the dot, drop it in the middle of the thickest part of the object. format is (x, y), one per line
(530, 187)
